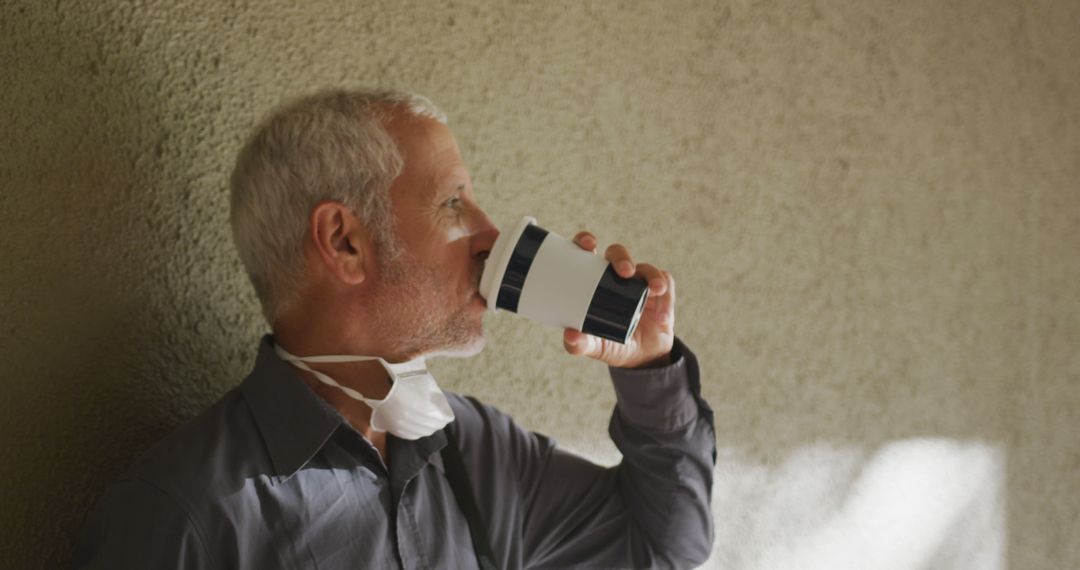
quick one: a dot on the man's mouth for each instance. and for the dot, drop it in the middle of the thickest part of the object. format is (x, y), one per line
(476, 287)
(477, 297)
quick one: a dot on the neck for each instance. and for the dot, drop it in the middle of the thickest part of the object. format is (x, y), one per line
(315, 337)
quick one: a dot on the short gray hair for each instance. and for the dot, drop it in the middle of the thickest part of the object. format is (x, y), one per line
(328, 146)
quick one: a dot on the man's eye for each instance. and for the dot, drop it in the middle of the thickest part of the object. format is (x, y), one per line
(452, 202)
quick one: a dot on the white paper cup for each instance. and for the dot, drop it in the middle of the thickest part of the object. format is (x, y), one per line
(549, 279)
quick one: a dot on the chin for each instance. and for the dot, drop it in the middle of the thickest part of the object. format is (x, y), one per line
(471, 348)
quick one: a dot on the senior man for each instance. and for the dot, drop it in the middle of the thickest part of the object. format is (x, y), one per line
(356, 221)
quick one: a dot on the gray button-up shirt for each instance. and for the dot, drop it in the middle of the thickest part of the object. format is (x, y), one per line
(271, 476)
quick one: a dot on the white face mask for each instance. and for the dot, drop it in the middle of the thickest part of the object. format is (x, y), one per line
(415, 406)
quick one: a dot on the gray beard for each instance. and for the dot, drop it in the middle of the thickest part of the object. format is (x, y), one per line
(401, 313)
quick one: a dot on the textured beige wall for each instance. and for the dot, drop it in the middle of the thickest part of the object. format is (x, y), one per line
(872, 210)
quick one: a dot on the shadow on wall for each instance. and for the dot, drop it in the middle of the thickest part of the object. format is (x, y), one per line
(99, 357)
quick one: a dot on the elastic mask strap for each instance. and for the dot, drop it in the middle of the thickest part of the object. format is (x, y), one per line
(300, 363)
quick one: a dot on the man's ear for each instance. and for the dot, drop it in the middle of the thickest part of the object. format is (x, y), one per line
(341, 241)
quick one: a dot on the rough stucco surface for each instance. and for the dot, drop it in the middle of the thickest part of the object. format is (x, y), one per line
(872, 210)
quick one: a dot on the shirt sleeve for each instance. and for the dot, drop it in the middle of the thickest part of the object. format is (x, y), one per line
(653, 509)
(137, 525)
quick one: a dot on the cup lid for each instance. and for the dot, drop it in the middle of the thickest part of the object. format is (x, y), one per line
(498, 259)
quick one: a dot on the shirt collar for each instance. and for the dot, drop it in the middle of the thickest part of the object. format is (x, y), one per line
(295, 422)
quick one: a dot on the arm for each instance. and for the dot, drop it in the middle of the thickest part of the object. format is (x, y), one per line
(653, 510)
(666, 433)
(547, 508)
(661, 424)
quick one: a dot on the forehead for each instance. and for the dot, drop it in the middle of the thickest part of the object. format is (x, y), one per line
(427, 147)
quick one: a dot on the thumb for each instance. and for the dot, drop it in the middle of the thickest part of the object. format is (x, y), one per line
(578, 343)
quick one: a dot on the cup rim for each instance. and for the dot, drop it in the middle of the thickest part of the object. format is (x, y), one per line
(501, 252)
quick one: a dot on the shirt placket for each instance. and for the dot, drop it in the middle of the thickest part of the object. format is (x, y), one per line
(408, 460)
(410, 541)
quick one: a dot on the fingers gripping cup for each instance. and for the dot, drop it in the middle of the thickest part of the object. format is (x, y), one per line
(549, 279)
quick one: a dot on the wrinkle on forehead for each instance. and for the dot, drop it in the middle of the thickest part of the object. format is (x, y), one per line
(428, 149)
(420, 138)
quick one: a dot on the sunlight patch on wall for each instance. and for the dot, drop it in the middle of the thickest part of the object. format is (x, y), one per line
(915, 504)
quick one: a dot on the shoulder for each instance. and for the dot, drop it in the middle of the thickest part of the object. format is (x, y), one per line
(491, 436)
(204, 457)
(468, 411)
(161, 511)
(137, 525)
(476, 419)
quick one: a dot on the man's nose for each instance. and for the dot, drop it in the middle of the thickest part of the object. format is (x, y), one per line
(484, 234)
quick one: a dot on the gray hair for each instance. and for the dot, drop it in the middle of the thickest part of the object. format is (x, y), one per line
(328, 146)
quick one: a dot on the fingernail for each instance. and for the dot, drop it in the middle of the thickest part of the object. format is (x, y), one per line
(626, 267)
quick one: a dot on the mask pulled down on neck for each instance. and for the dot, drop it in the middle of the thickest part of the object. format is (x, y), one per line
(414, 408)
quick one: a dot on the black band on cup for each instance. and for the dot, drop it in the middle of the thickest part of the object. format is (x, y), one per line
(615, 304)
(517, 269)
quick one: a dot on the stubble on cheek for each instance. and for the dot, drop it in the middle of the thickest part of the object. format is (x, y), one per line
(413, 309)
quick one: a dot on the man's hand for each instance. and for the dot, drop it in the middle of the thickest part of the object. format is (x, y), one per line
(655, 334)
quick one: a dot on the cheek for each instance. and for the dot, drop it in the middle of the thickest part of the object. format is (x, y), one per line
(455, 234)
